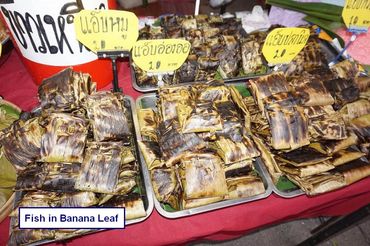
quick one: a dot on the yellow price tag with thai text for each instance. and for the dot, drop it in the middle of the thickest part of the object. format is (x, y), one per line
(160, 55)
(356, 15)
(283, 44)
(105, 30)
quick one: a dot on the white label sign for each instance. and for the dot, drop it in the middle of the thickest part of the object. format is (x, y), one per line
(71, 218)
(44, 30)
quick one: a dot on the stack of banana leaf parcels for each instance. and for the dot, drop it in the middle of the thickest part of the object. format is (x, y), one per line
(220, 48)
(77, 151)
(197, 146)
(312, 123)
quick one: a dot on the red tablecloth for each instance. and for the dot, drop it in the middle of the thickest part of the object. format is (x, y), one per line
(16, 86)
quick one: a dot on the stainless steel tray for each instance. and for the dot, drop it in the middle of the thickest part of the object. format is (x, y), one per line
(149, 101)
(147, 196)
(287, 194)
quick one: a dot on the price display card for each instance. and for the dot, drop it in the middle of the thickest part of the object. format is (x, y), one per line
(283, 44)
(356, 15)
(160, 55)
(106, 30)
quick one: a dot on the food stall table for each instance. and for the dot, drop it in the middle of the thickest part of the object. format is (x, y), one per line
(17, 87)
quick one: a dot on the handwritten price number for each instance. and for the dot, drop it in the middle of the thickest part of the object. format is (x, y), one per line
(157, 65)
(353, 20)
(281, 54)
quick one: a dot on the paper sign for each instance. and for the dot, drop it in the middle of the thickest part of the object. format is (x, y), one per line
(283, 44)
(160, 55)
(1, 47)
(106, 29)
(356, 15)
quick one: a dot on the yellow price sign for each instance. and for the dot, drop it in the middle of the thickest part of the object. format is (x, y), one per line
(160, 55)
(356, 15)
(1, 48)
(283, 44)
(104, 30)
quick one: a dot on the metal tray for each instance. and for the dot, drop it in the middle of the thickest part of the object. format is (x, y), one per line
(149, 101)
(329, 51)
(147, 195)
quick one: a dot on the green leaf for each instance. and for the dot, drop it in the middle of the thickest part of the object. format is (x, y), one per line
(284, 184)
(168, 207)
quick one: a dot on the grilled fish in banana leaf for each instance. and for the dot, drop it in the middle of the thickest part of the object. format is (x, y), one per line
(100, 168)
(361, 125)
(78, 199)
(229, 63)
(313, 93)
(107, 113)
(32, 178)
(345, 69)
(268, 85)
(37, 199)
(331, 146)
(21, 142)
(302, 157)
(174, 144)
(133, 204)
(60, 177)
(193, 203)
(232, 152)
(64, 91)
(251, 56)
(165, 185)
(354, 110)
(202, 118)
(354, 171)
(27, 236)
(245, 186)
(268, 159)
(289, 128)
(215, 94)
(238, 168)
(344, 156)
(319, 183)
(343, 91)
(330, 127)
(318, 111)
(204, 176)
(305, 171)
(148, 123)
(64, 139)
(151, 153)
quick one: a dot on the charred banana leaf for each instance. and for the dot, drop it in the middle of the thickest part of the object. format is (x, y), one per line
(165, 185)
(60, 177)
(37, 199)
(361, 125)
(21, 143)
(306, 171)
(344, 156)
(64, 91)
(330, 127)
(193, 203)
(32, 178)
(204, 176)
(245, 186)
(345, 69)
(354, 110)
(148, 123)
(302, 157)
(354, 171)
(107, 113)
(64, 139)
(78, 199)
(343, 91)
(330, 147)
(232, 152)
(100, 168)
(251, 56)
(133, 204)
(320, 183)
(174, 144)
(313, 93)
(151, 153)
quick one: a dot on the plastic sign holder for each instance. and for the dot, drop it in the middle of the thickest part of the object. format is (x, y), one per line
(283, 44)
(108, 33)
(161, 56)
(114, 55)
